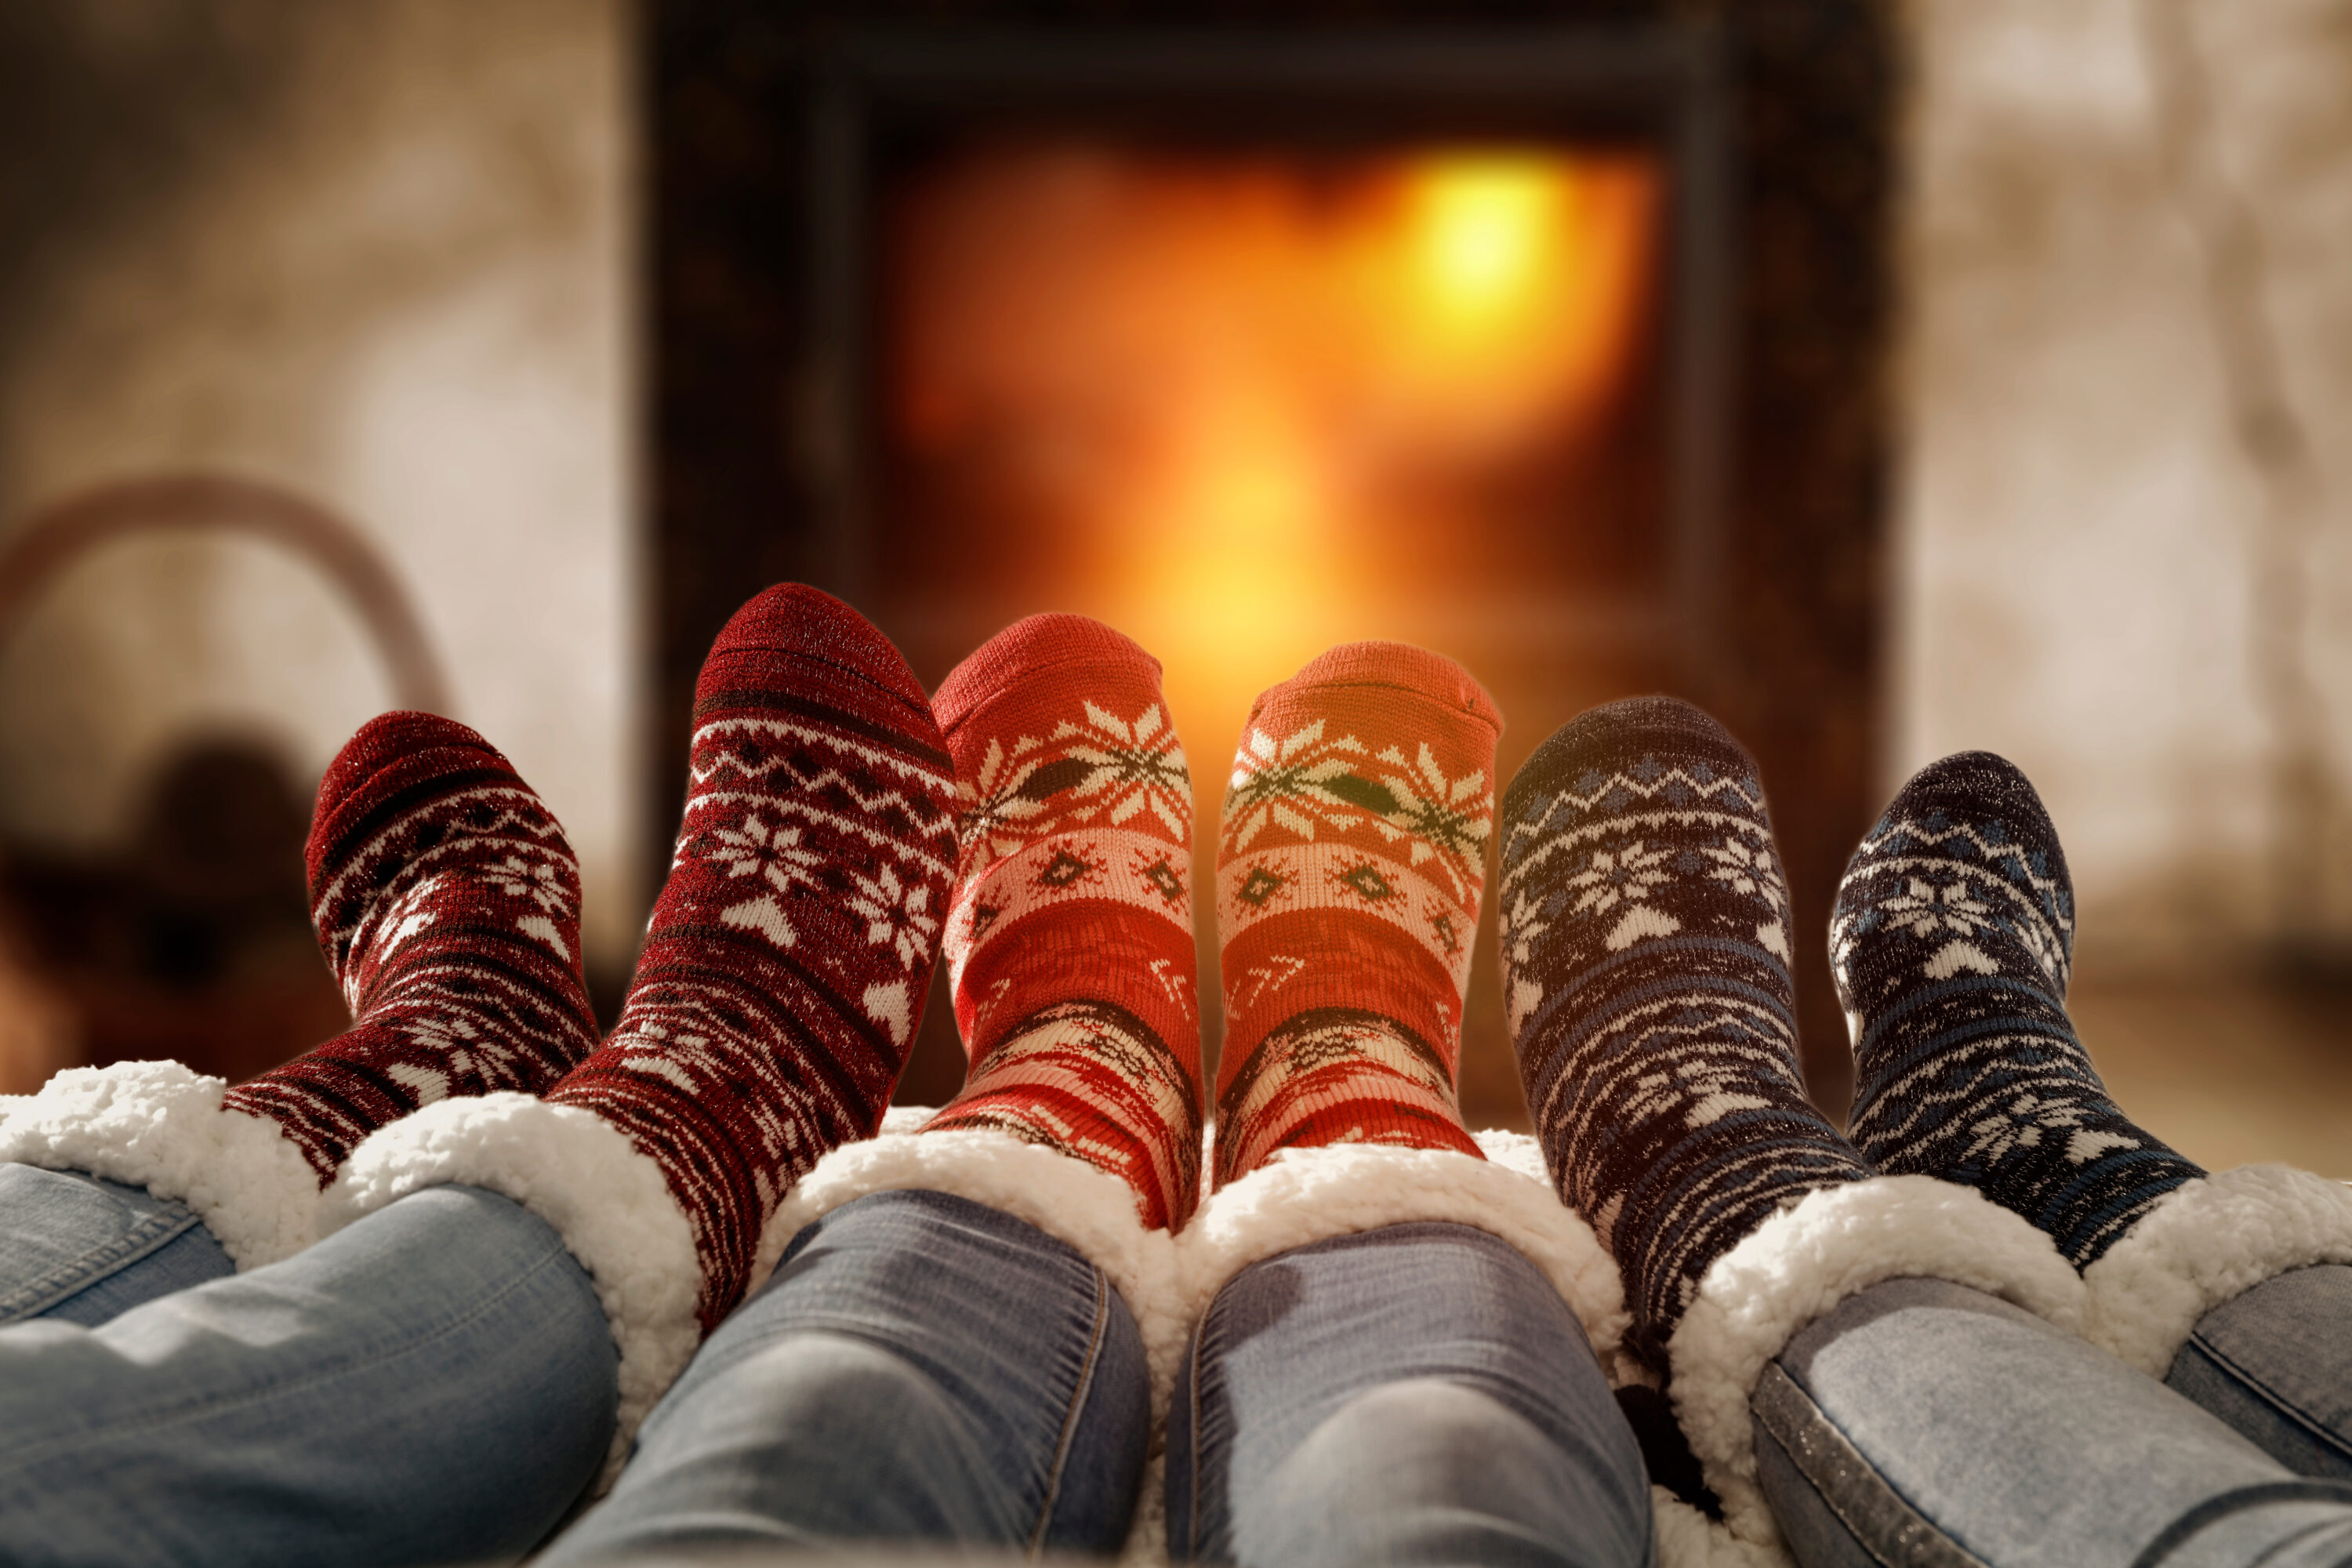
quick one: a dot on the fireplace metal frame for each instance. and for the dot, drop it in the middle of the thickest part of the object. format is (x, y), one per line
(1668, 79)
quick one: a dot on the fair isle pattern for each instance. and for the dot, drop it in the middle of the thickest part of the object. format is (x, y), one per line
(1070, 939)
(1299, 877)
(1951, 941)
(1645, 930)
(1142, 870)
(448, 904)
(792, 947)
(1350, 859)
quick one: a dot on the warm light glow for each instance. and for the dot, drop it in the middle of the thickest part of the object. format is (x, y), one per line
(1486, 229)
(1250, 394)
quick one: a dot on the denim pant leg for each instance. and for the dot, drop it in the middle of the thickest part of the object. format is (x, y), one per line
(1416, 1394)
(1922, 1422)
(2276, 1364)
(435, 1383)
(81, 1249)
(920, 1367)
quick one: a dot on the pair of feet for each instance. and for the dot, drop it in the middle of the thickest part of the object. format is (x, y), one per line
(1647, 950)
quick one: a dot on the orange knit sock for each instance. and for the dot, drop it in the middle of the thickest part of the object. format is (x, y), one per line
(1348, 881)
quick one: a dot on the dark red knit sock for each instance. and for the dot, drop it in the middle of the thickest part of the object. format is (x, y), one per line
(1071, 938)
(792, 947)
(448, 904)
(1353, 852)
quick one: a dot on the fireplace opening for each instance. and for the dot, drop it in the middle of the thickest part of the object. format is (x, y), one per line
(1245, 405)
(1250, 350)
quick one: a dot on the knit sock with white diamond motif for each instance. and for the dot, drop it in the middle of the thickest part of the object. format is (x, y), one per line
(1352, 855)
(448, 904)
(1645, 973)
(1951, 941)
(790, 949)
(1070, 938)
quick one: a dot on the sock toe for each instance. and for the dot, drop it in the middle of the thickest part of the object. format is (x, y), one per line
(1397, 665)
(796, 621)
(1026, 649)
(1595, 742)
(419, 745)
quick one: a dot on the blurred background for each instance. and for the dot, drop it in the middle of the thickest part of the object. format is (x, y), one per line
(1893, 378)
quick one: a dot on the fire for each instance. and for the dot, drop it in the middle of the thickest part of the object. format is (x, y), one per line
(1242, 404)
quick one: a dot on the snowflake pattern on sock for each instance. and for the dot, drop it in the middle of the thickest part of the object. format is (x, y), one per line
(791, 949)
(1070, 940)
(1351, 857)
(1644, 927)
(447, 903)
(1951, 944)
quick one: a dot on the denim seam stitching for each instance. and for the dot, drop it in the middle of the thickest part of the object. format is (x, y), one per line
(2262, 1390)
(1070, 1418)
(70, 1279)
(1769, 1412)
(1192, 1396)
(1852, 1534)
(547, 1260)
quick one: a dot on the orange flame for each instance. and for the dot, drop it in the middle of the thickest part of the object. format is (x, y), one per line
(1211, 383)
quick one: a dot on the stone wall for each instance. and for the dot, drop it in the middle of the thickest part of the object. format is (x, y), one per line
(2124, 514)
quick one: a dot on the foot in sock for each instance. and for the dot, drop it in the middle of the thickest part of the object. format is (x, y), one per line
(1070, 936)
(1351, 857)
(1951, 944)
(791, 949)
(1645, 950)
(448, 904)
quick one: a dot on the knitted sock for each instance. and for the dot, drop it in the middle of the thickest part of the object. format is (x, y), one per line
(448, 904)
(1353, 855)
(791, 948)
(1071, 936)
(1645, 952)
(1951, 940)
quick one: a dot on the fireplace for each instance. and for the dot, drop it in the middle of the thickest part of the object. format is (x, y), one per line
(1246, 342)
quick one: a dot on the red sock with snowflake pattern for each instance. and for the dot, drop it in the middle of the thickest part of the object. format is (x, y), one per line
(1071, 936)
(447, 903)
(790, 949)
(1352, 855)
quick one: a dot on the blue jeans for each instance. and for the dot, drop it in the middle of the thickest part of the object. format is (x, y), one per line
(1922, 1422)
(437, 1384)
(433, 1385)
(1417, 1394)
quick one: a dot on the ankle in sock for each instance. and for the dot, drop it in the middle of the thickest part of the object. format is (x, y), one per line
(1951, 944)
(1070, 939)
(1645, 952)
(448, 904)
(791, 949)
(1348, 870)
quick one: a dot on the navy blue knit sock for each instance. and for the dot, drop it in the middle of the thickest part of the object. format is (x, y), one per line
(1645, 954)
(1952, 942)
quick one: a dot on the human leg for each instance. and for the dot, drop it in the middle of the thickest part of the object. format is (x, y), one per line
(81, 1249)
(435, 1383)
(1397, 1358)
(446, 901)
(1645, 956)
(920, 1368)
(1952, 945)
(1921, 1422)
(773, 1004)
(2275, 1363)
(1414, 1393)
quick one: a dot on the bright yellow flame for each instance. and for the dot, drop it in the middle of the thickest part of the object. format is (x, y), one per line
(1486, 230)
